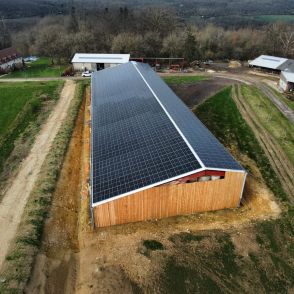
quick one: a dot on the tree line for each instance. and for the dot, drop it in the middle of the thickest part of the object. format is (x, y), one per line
(150, 32)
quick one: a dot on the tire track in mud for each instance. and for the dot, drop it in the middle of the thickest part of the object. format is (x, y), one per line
(273, 151)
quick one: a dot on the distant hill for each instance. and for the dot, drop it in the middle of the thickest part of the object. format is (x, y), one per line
(220, 12)
(30, 8)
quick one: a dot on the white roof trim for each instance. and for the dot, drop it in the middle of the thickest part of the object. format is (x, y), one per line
(158, 184)
(145, 187)
(100, 58)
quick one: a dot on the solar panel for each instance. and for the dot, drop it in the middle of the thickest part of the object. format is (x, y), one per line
(134, 143)
(210, 152)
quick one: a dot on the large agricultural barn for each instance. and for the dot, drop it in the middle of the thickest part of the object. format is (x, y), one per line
(273, 63)
(150, 156)
(10, 59)
(88, 61)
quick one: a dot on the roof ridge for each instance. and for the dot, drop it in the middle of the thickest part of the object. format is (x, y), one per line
(134, 63)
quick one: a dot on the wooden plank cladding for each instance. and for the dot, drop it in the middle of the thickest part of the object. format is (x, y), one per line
(171, 200)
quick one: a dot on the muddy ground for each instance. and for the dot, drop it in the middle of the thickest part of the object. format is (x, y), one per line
(194, 94)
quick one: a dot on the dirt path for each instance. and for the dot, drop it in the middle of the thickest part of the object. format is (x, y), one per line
(266, 90)
(16, 196)
(276, 155)
(57, 263)
(284, 108)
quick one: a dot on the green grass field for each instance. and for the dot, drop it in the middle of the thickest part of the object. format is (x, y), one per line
(20, 105)
(271, 119)
(181, 80)
(220, 114)
(40, 68)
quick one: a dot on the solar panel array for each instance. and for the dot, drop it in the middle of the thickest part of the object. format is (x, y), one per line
(134, 142)
(210, 151)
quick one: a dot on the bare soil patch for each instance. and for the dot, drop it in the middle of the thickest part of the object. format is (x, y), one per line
(113, 258)
(194, 94)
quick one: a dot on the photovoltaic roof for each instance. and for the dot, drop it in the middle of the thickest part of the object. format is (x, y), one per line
(143, 134)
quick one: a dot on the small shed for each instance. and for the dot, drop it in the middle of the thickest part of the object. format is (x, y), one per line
(287, 81)
(89, 61)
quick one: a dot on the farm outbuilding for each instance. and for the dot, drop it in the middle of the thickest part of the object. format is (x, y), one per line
(10, 59)
(287, 81)
(151, 157)
(273, 63)
(93, 62)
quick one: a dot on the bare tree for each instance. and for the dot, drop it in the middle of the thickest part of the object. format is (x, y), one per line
(286, 38)
(172, 45)
(5, 37)
(128, 43)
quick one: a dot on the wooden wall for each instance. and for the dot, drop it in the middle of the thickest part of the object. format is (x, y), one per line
(170, 200)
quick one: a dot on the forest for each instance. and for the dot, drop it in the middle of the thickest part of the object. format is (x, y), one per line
(145, 32)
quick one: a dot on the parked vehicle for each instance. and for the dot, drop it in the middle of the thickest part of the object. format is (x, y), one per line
(87, 74)
(208, 62)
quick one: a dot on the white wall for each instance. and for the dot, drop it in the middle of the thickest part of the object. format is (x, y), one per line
(11, 63)
(90, 66)
(82, 66)
(283, 84)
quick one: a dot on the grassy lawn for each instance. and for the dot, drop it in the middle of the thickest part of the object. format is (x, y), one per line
(40, 68)
(180, 80)
(20, 105)
(271, 119)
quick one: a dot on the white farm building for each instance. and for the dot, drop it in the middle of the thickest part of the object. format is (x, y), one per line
(287, 81)
(89, 61)
(273, 63)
